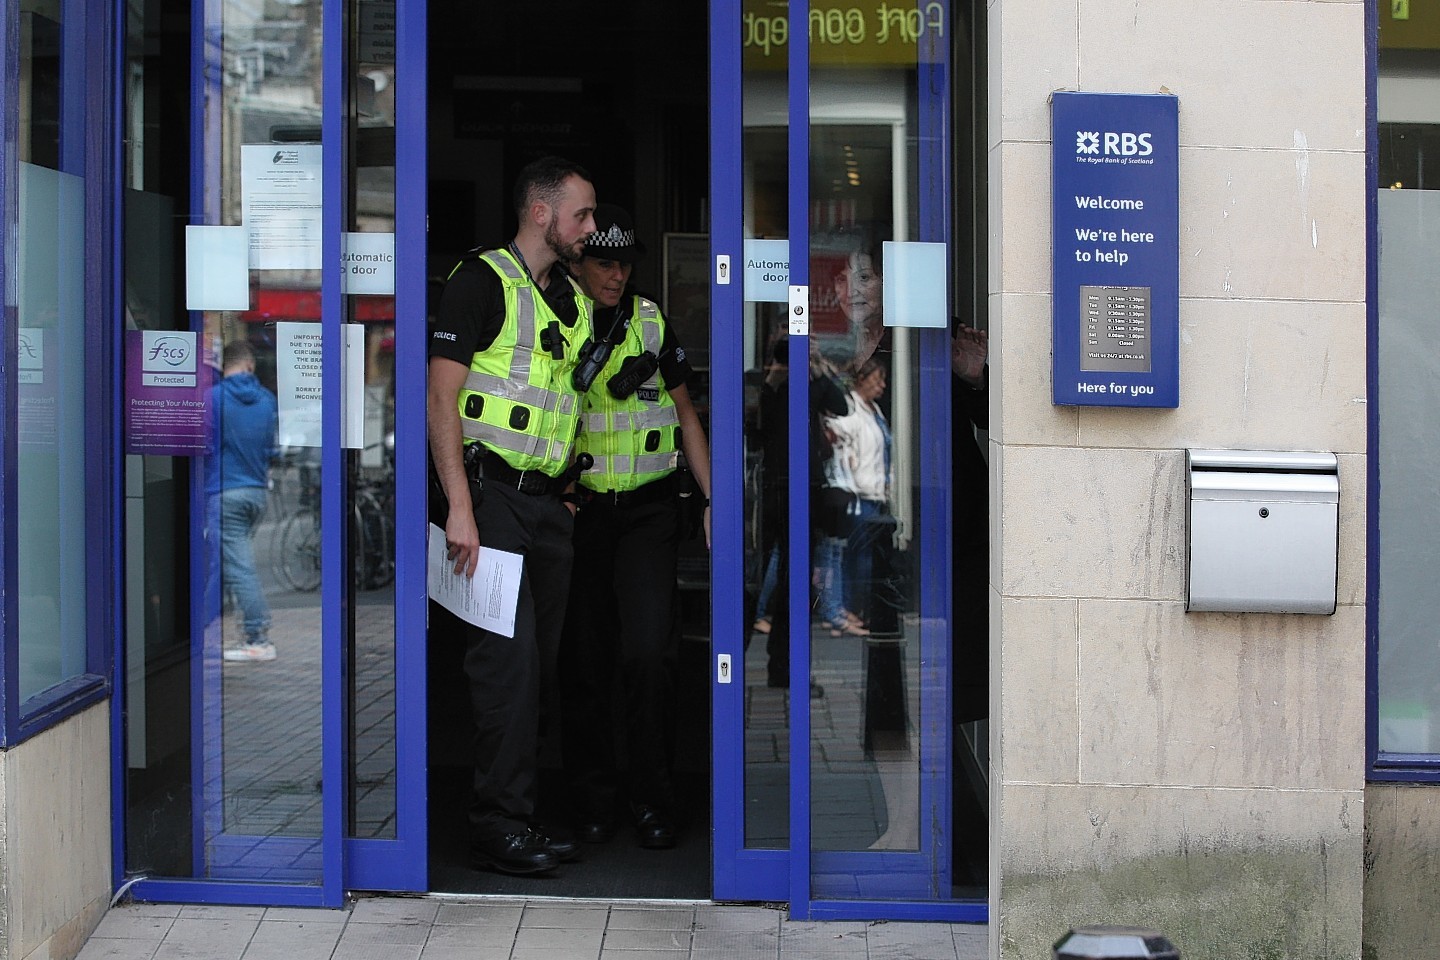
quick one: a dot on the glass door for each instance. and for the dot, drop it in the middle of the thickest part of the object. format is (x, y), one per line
(300, 771)
(264, 652)
(753, 684)
(383, 256)
(878, 207)
(834, 311)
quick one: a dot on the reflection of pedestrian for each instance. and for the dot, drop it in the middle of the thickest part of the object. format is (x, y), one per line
(769, 428)
(863, 440)
(237, 480)
(873, 575)
(827, 398)
(636, 416)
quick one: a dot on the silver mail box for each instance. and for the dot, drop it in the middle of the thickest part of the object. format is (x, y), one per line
(1262, 531)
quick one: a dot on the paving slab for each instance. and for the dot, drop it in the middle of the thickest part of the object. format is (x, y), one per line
(449, 928)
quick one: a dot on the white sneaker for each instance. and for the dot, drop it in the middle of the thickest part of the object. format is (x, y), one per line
(251, 652)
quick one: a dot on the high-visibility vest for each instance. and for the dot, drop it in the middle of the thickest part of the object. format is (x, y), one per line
(518, 398)
(634, 441)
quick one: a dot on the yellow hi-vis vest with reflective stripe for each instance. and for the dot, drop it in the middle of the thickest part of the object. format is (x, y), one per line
(634, 441)
(518, 399)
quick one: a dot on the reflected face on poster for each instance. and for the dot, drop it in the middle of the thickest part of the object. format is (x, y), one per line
(858, 290)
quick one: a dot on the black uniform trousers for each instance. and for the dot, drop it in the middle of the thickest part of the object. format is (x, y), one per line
(621, 618)
(509, 676)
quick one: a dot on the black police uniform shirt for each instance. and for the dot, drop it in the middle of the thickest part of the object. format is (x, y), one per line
(472, 310)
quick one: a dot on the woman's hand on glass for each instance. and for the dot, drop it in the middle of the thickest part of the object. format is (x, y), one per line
(969, 351)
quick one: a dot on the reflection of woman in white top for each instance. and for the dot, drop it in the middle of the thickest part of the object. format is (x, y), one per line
(863, 439)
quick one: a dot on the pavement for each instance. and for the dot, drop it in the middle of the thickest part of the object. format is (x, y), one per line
(475, 928)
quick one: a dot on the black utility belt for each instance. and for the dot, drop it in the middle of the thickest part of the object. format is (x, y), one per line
(533, 482)
(656, 491)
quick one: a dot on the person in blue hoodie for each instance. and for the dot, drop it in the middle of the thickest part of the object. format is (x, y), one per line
(243, 422)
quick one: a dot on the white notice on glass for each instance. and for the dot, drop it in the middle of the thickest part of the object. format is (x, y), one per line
(298, 363)
(487, 599)
(280, 192)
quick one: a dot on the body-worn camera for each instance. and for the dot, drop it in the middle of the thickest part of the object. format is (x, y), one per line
(552, 341)
(593, 357)
(633, 372)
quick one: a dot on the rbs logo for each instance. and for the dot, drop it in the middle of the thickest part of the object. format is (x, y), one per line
(1113, 144)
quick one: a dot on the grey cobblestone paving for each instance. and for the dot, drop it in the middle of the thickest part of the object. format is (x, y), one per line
(435, 927)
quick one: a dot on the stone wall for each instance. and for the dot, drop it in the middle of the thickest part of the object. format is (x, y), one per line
(1199, 773)
(1402, 871)
(55, 838)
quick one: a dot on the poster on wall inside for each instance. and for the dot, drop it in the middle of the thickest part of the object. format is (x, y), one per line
(37, 415)
(280, 195)
(166, 393)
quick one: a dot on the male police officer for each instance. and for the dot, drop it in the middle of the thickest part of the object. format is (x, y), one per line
(637, 417)
(503, 411)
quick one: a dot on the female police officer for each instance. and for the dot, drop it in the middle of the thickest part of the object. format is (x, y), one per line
(636, 419)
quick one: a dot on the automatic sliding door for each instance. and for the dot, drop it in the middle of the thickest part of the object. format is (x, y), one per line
(304, 717)
(384, 311)
(750, 170)
(832, 192)
(880, 774)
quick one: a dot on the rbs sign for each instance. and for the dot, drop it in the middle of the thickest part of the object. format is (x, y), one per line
(1116, 246)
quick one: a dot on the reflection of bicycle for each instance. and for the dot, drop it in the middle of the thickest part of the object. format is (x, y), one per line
(373, 531)
(372, 536)
(299, 564)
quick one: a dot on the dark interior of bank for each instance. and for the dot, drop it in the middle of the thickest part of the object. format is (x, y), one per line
(622, 90)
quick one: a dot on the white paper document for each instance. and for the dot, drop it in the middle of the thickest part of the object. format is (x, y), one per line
(487, 599)
(281, 196)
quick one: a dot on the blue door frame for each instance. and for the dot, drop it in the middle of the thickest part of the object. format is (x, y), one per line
(398, 864)
(769, 874)
(402, 864)
(739, 873)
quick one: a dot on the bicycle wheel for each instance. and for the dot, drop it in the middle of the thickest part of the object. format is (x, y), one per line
(300, 552)
(381, 542)
(373, 544)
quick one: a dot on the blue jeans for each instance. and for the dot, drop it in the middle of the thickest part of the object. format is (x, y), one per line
(829, 564)
(232, 518)
(767, 585)
(860, 556)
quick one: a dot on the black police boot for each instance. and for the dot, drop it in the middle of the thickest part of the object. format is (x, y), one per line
(515, 853)
(653, 830)
(557, 841)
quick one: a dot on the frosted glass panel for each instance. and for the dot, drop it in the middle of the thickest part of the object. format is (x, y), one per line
(50, 511)
(1409, 393)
